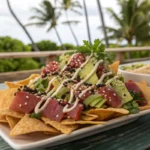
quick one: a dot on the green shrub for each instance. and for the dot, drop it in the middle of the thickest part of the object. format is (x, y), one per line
(67, 46)
(46, 45)
(8, 44)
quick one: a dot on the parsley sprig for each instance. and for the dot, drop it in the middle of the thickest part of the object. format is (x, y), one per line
(36, 116)
(97, 48)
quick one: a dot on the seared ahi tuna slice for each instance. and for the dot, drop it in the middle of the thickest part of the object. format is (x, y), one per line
(135, 90)
(24, 102)
(113, 100)
(54, 110)
(52, 67)
(76, 112)
(77, 60)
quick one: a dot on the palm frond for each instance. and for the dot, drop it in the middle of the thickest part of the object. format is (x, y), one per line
(38, 11)
(115, 16)
(36, 17)
(38, 24)
(76, 11)
(71, 22)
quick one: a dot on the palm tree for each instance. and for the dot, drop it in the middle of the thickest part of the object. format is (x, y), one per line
(46, 15)
(87, 21)
(71, 5)
(103, 22)
(133, 21)
(34, 46)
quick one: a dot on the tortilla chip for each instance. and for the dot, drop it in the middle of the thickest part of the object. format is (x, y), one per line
(29, 125)
(109, 113)
(13, 84)
(6, 98)
(145, 90)
(88, 117)
(27, 80)
(72, 121)
(3, 119)
(57, 125)
(12, 121)
(144, 107)
(114, 67)
(11, 113)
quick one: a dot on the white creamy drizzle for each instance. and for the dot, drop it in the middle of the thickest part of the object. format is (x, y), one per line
(48, 94)
(49, 84)
(71, 96)
(90, 74)
(59, 88)
(110, 80)
(34, 80)
(67, 64)
(103, 76)
(45, 98)
(66, 109)
(86, 90)
(37, 107)
(75, 75)
(79, 69)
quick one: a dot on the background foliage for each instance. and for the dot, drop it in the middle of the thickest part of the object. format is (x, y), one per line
(8, 44)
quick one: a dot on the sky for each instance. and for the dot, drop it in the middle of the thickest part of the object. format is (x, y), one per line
(22, 8)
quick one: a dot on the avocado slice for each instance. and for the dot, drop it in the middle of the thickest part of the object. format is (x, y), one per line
(121, 90)
(64, 58)
(63, 91)
(90, 99)
(100, 104)
(94, 102)
(86, 70)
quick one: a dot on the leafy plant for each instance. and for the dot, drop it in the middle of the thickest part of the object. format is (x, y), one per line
(8, 44)
(46, 45)
(97, 48)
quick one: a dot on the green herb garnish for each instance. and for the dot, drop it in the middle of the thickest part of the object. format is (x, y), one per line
(97, 48)
(137, 96)
(132, 107)
(36, 116)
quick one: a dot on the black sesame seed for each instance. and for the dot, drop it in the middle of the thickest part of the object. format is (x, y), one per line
(19, 89)
(55, 73)
(124, 95)
(87, 84)
(14, 94)
(100, 85)
(78, 78)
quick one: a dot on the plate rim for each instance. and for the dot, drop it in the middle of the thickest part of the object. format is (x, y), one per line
(79, 132)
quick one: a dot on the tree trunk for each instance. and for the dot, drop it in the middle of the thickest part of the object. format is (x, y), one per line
(103, 22)
(69, 25)
(58, 36)
(87, 21)
(35, 48)
(129, 44)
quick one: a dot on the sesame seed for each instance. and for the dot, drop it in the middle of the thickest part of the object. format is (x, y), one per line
(27, 96)
(25, 103)
(108, 89)
(68, 117)
(57, 116)
(114, 94)
(103, 91)
(20, 105)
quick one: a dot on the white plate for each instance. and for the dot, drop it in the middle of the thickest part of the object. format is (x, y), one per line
(39, 140)
(134, 76)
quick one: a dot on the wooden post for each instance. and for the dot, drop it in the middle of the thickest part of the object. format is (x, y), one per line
(120, 56)
(50, 58)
